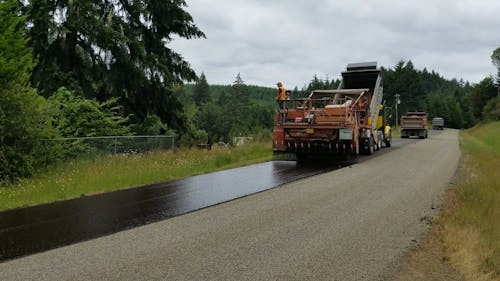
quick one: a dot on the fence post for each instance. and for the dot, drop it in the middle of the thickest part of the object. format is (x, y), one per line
(173, 142)
(115, 145)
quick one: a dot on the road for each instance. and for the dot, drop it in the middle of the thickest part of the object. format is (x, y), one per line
(26, 231)
(349, 224)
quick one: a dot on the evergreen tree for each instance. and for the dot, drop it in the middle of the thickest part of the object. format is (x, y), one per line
(240, 91)
(193, 135)
(428, 91)
(480, 94)
(201, 91)
(237, 106)
(314, 84)
(215, 122)
(461, 99)
(24, 116)
(239, 80)
(103, 49)
(411, 91)
(492, 110)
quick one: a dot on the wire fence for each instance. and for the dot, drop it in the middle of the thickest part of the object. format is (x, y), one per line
(67, 148)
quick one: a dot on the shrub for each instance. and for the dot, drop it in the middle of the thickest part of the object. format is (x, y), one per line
(25, 117)
(79, 117)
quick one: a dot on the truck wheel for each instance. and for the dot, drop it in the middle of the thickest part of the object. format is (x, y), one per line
(349, 157)
(372, 147)
(299, 158)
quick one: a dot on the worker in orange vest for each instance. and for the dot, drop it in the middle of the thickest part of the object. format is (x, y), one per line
(281, 95)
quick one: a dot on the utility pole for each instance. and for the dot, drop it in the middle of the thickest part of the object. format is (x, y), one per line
(398, 101)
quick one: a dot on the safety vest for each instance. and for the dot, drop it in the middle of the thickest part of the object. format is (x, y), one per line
(387, 130)
(281, 95)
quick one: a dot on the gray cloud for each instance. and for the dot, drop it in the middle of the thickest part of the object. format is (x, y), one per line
(290, 41)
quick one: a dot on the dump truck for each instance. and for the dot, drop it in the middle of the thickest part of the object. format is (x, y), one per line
(414, 124)
(437, 123)
(344, 122)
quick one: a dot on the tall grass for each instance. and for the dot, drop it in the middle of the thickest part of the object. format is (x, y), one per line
(112, 172)
(473, 231)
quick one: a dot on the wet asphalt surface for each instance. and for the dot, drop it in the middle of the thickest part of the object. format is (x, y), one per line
(36, 229)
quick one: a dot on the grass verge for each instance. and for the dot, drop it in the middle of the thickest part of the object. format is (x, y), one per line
(90, 176)
(472, 232)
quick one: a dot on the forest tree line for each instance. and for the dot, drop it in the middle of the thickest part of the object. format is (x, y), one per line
(80, 69)
(461, 104)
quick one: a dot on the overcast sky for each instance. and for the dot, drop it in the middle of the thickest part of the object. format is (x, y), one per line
(290, 41)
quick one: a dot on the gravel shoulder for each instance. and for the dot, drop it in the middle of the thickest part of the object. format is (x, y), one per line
(350, 224)
(429, 260)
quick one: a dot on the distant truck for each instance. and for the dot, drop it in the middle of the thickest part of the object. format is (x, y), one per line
(414, 124)
(437, 123)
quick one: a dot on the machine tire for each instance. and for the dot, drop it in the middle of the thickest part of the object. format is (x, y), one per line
(371, 148)
(301, 158)
(349, 157)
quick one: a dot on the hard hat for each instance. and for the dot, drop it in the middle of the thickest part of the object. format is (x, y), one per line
(279, 84)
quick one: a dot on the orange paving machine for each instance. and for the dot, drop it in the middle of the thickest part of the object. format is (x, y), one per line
(342, 122)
